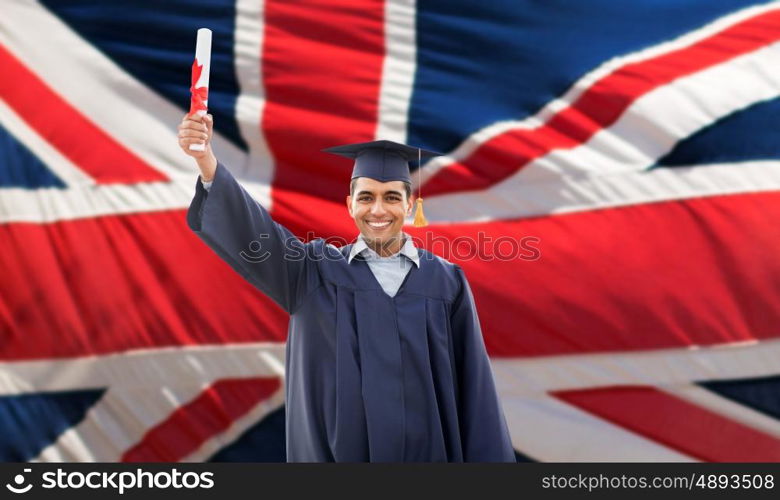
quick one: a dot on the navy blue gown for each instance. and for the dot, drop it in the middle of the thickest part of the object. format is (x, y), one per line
(369, 377)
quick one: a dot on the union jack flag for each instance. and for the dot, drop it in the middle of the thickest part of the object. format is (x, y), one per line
(638, 143)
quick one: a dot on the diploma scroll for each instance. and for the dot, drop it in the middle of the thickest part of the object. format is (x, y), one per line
(199, 90)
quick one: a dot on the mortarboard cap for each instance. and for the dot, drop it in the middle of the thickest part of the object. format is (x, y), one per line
(381, 160)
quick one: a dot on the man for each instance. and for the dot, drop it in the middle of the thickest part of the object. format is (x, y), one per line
(385, 360)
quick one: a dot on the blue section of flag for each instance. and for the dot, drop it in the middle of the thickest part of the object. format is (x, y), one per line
(761, 394)
(483, 62)
(33, 421)
(750, 134)
(264, 442)
(20, 168)
(155, 42)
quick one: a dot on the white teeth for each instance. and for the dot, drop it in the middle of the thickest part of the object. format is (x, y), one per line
(379, 224)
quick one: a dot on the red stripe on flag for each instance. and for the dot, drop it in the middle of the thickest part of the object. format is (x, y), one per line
(678, 424)
(651, 276)
(600, 106)
(322, 71)
(108, 284)
(659, 275)
(65, 128)
(312, 217)
(211, 413)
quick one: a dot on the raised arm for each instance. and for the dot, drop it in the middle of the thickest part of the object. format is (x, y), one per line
(243, 234)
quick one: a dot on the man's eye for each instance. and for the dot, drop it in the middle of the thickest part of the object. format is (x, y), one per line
(364, 198)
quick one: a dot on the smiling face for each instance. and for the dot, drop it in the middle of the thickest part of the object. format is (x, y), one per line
(379, 210)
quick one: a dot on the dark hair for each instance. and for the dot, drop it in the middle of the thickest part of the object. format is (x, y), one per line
(407, 187)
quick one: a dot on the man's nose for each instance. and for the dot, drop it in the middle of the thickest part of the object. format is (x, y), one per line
(378, 207)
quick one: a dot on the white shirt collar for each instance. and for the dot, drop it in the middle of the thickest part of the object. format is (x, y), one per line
(408, 249)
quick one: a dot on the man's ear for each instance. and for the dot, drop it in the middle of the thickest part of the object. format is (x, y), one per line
(349, 204)
(410, 204)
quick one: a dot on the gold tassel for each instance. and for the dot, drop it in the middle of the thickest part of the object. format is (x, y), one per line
(419, 216)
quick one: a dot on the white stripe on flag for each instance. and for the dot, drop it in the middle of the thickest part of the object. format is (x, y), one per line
(258, 167)
(725, 407)
(118, 421)
(61, 166)
(522, 377)
(398, 69)
(576, 193)
(549, 430)
(48, 205)
(180, 366)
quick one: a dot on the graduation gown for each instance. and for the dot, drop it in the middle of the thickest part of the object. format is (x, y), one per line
(369, 377)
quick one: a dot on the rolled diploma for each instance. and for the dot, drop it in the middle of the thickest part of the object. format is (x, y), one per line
(202, 58)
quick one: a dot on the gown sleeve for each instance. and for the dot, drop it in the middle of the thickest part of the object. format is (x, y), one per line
(245, 236)
(484, 432)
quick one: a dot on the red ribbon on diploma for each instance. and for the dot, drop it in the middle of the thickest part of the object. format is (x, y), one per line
(199, 95)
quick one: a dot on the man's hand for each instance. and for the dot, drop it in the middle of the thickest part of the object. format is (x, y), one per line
(195, 129)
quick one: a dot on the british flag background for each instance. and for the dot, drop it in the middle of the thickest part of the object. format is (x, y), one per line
(639, 142)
